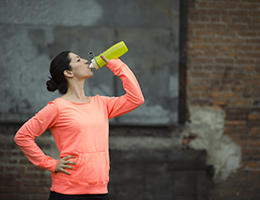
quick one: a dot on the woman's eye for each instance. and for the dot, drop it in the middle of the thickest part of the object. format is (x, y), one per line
(78, 60)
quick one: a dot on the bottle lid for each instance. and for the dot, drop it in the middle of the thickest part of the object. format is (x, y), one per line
(94, 64)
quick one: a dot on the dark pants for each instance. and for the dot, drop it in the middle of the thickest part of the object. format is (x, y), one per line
(57, 196)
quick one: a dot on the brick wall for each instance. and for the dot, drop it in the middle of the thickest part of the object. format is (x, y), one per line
(19, 179)
(223, 52)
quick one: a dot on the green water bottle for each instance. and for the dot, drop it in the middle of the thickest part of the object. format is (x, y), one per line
(113, 52)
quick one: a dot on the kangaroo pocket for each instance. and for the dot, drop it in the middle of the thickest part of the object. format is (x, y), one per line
(62, 175)
(92, 167)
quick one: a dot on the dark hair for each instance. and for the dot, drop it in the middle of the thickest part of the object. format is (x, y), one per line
(58, 80)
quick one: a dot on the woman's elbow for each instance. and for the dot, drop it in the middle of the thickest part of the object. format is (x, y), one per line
(17, 138)
(140, 101)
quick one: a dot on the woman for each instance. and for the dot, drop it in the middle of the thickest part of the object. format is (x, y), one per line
(79, 125)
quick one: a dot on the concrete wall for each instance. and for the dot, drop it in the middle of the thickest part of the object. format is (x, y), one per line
(33, 32)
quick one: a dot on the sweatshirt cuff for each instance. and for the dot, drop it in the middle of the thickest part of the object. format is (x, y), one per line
(116, 66)
(49, 164)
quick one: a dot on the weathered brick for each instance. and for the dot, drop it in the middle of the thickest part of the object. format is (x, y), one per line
(254, 116)
(32, 168)
(194, 53)
(257, 48)
(216, 26)
(255, 130)
(204, 18)
(238, 13)
(200, 102)
(201, 4)
(222, 47)
(226, 33)
(236, 27)
(224, 60)
(214, 40)
(198, 88)
(227, 5)
(218, 12)
(231, 95)
(36, 183)
(242, 103)
(195, 94)
(252, 41)
(212, 5)
(13, 161)
(242, 76)
(215, 19)
(234, 40)
(248, 6)
(203, 60)
(205, 33)
(247, 33)
(200, 74)
(211, 94)
(256, 76)
(254, 27)
(244, 61)
(213, 53)
(255, 143)
(235, 123)
(15, 169)
(222, 75)
(254, 14)
(249, 55)
(208, 68)
(194, 19)
(250, 151)
(196, 25)
(219, 102)
(24, 161)
(195, 39)
(195, 11)
(250, 69)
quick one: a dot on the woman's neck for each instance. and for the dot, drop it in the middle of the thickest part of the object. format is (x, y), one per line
(75, 93)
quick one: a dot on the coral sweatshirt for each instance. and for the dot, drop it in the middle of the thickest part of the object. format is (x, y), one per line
(80, 129)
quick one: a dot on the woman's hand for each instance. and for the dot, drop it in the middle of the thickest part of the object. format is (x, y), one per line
(63, 164)
(104, 58)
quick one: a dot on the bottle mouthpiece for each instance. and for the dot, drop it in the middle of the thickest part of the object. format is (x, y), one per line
(91, 66)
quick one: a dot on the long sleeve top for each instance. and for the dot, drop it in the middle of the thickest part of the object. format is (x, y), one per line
(80, 129)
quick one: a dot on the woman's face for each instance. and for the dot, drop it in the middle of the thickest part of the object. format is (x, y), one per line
(80, 67)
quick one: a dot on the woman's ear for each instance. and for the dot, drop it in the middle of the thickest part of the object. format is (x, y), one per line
(68, 73)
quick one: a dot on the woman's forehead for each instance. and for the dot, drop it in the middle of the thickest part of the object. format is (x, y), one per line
(73, 56)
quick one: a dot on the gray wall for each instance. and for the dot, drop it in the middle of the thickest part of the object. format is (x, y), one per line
(33, 32)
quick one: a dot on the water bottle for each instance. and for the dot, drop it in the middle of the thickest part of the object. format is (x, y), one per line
(113, 52)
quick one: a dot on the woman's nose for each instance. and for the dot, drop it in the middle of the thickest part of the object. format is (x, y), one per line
(85, 61)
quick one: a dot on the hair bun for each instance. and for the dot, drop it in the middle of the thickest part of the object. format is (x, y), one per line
(51, 85)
